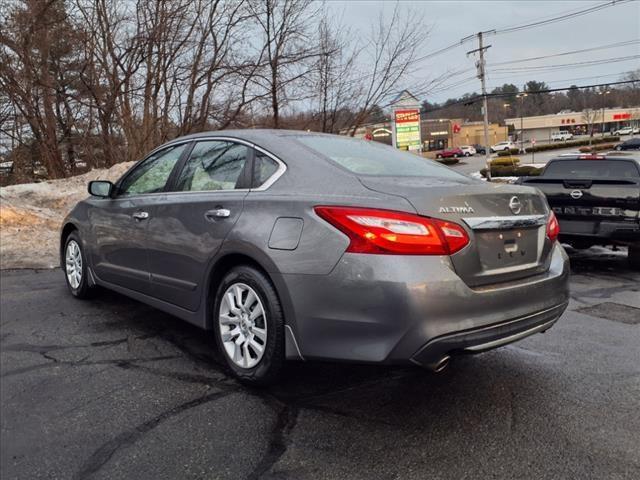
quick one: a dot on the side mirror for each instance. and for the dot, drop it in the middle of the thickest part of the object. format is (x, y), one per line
(101, 188)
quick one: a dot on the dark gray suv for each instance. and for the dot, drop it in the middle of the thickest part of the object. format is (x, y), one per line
(294, 245)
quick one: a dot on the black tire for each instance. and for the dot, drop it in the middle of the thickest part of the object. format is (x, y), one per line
(455, 155)
(618, 148)
(83, 290)
(467, 154)
(633, 257)
(268, 368)
(438, 156)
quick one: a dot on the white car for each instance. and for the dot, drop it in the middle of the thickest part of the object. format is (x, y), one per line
(624, 131)
(468, 150)
(561, 136)
(636, 130)
(499, 147)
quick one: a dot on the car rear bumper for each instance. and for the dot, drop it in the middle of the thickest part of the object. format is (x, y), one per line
(481, 339)
(586, 230)
(401, 309)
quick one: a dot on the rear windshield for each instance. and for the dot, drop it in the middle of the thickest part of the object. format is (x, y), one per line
(592, 169)
(364, 157)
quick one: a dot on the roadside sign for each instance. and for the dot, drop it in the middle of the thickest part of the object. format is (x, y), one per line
(407, 123)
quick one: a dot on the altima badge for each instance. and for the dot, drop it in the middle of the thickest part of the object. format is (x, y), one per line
(465, 209)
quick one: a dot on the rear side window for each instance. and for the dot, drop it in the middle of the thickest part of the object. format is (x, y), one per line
(213, 165)
(263, 169)
(592, 169)
(364, 157)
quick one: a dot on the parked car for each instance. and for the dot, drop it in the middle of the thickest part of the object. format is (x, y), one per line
(499, 147)
(635, 130)
(468, 150)
(480, 149)
(596, 199)
(631, 144)
(450, 153)
(623, 131)
(561, 136)
(297, 245)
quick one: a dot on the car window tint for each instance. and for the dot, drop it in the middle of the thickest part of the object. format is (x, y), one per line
(152, 174)
(365, 157)
(263, 169)
(213, 165)
(592, 169)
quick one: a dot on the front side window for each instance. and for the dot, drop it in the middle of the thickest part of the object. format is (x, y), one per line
(152, 174)
(214, 165)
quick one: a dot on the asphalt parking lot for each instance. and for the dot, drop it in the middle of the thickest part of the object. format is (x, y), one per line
(114, 389)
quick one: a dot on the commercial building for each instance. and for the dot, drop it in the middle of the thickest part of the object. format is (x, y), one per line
(540, 128)
(438, 134)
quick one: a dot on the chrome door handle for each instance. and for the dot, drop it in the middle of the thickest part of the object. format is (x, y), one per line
(141, 215)
(218, 213)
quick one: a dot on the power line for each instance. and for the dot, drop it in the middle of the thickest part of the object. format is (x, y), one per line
(591, 77)
(560, 18)
(568, 65)
(472, 100)
(585, 50)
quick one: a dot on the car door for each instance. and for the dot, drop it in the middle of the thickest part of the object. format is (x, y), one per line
(190, 223)
(119, 224)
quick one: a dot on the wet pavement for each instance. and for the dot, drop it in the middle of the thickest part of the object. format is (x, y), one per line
(111, 388)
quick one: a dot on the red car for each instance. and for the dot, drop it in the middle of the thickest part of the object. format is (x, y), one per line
(450, 153)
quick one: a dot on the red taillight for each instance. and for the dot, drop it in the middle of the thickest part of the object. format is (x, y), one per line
(395, 233)
(591, 157)
(553, 228)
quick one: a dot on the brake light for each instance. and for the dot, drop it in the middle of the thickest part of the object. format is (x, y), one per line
(394, 233)
(553, 227)
(591, 157)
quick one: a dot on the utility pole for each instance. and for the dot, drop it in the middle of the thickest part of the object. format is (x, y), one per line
(480, 64)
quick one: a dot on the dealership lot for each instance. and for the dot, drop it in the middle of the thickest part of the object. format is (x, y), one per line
(115, 389)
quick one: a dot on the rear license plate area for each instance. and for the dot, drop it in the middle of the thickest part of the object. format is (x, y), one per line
(507, 248)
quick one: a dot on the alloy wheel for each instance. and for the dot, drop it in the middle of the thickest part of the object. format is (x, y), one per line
(243, 325)
(73, 261)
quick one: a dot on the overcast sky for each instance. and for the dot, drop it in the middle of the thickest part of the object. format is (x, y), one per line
(451, 21)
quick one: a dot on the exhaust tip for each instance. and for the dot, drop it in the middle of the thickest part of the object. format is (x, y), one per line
(441, 364)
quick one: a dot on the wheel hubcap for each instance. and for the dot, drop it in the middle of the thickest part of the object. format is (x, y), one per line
(73, 260)
(243, 325)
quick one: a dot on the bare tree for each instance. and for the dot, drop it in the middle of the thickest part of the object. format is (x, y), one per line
(589, 116)
(31, 31)
(287, 50)
(333, 87)
(390, 52)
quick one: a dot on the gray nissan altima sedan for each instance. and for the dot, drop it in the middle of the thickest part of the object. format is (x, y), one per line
(295, 245)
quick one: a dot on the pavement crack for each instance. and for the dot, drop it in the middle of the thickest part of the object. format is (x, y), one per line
(225, 384)
(84, 363)
(103, 454)
(278, 440)
(42, 349)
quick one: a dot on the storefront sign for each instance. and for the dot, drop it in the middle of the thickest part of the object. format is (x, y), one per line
(407, 128)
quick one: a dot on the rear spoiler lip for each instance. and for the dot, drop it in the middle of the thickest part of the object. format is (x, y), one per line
(597, 181)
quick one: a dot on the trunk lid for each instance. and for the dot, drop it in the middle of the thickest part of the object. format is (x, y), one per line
(506, 223)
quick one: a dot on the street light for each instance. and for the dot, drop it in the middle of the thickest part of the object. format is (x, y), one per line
(606, 92)
(521, 96)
